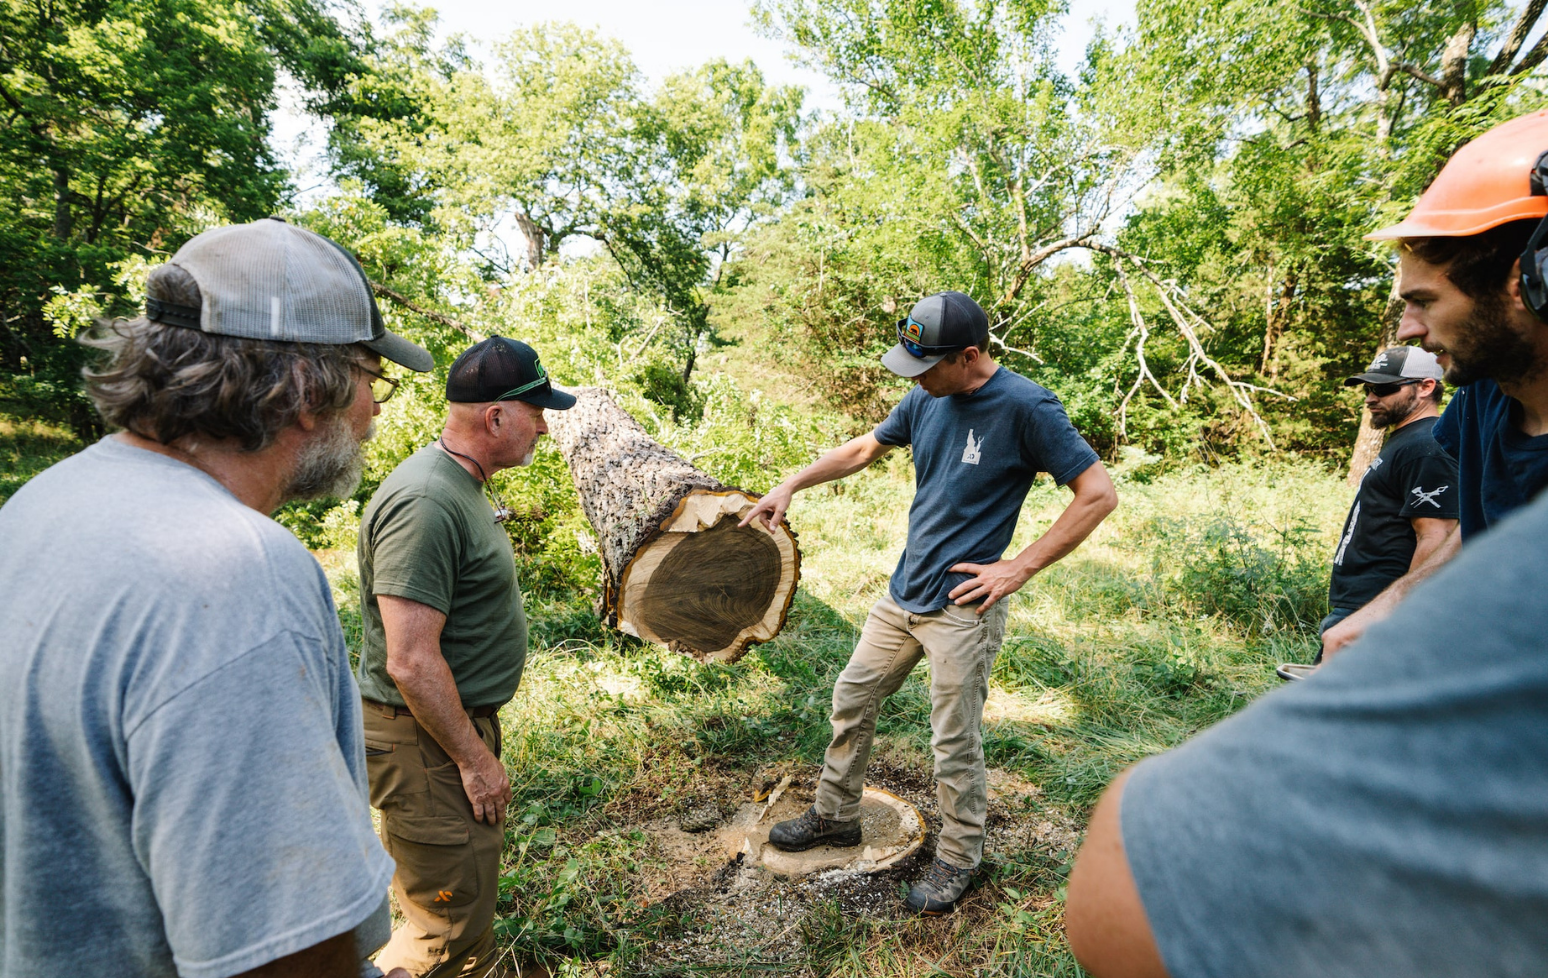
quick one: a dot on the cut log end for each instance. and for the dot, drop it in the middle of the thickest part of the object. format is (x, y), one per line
(706, 587)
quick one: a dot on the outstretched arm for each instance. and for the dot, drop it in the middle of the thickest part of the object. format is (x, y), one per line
(847, 459)
(1381, 606)
(1095, 497)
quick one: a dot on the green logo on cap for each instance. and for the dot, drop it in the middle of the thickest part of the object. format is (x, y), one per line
(542, 378)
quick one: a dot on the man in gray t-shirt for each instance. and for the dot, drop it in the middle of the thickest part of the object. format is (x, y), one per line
(1388, 816)
(980, 435)
(182, 767)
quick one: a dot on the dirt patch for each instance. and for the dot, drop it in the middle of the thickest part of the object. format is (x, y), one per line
(729, 910)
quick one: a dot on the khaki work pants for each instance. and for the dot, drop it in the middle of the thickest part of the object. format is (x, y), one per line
(447, 878)
(961, 647)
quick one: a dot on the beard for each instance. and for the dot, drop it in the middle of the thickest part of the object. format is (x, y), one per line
(1487, 347)
(1386, 417)
(329, 465)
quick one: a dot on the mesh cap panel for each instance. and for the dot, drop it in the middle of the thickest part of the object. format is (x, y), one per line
(273, 281)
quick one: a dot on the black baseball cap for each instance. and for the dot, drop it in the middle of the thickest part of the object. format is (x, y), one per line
(1397, 364)
(937, 325)
(499, 369)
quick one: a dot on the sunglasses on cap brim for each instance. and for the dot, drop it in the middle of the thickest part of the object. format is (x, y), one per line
(919, 350)
(539, 386)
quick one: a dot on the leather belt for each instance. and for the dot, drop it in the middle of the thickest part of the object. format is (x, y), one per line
(476, 712)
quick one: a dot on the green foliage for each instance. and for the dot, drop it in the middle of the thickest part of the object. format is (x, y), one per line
(127, 127)
(1222, 566)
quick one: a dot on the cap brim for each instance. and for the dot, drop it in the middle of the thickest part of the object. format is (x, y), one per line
(1376, 379)
(905, 364)
(400, 351)
(554, 400)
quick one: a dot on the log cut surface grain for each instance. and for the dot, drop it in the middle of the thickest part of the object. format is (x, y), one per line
(678, 571)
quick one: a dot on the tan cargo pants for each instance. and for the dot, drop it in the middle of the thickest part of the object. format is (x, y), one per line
(447, 879)
(961, 647)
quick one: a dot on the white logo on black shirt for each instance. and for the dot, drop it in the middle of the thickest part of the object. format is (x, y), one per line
(1354, 518)
(1420, 496)
(971, 453)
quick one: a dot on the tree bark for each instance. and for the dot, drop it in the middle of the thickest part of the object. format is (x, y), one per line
(677, 570)
(64, 218)
(535, 238)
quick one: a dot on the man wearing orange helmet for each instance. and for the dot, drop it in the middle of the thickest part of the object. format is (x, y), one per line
(1389, 815)
(1471, 277)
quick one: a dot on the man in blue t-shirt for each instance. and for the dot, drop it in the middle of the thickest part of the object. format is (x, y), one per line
(980, 435)
(1461, 277)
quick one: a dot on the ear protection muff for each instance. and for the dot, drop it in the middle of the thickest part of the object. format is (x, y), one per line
(1534, 260)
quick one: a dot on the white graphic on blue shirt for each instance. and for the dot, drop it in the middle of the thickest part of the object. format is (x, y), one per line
(1421, 497)
(973, 451)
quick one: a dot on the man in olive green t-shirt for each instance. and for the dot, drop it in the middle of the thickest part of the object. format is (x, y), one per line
(445, 640)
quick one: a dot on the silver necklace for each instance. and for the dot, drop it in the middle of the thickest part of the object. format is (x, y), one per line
(502, 512)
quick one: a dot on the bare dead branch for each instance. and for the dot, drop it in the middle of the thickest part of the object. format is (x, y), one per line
(1517, 37)
(1187, 323)
(1006, 346)
(1139, 334)
(1428, 79)
(429, 314)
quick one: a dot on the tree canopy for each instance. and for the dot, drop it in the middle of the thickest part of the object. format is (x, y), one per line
(1171, 238)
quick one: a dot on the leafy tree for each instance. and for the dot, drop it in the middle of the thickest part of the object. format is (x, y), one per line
(1292, 131)
(559, 140)
(125, 127)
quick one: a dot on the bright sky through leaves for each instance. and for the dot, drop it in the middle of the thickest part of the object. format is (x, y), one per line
(662, 38)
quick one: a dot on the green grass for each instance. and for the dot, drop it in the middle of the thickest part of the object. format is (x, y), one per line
(27, 447)
(1169, 619)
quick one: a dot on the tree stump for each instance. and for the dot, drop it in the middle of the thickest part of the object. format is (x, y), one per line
(677, 570)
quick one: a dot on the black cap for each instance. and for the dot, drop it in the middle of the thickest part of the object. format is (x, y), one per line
(937, 325)
(1397, 364)
(499, 369)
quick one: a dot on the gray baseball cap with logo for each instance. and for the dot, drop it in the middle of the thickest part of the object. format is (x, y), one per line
(1397, 364)
(272, 280)
(937, 325)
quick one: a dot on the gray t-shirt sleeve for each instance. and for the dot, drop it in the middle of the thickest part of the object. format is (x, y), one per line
(269, 850)
(897, 428)
(1387, 816)
(1050, 443)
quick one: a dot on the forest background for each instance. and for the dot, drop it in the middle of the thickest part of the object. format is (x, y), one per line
(1169, 237)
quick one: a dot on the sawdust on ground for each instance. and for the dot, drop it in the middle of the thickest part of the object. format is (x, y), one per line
(731, 910)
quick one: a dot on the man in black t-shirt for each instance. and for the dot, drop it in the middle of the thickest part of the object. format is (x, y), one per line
(1406, 506)
(1407, 503)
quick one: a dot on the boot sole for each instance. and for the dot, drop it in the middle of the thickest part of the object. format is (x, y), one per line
(837, 843)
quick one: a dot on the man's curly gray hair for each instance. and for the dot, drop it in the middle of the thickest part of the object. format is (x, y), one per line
(167, 382)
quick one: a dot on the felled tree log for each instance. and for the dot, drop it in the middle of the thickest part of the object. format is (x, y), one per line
(678, 571)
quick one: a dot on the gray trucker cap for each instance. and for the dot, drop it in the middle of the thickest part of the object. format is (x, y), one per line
(271, 280)
(937, 325)
(1397, 364)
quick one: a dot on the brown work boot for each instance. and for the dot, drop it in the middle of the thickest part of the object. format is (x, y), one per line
(811, 829)
(939, 890)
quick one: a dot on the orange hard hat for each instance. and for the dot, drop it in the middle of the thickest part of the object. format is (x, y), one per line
(1485, 184)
